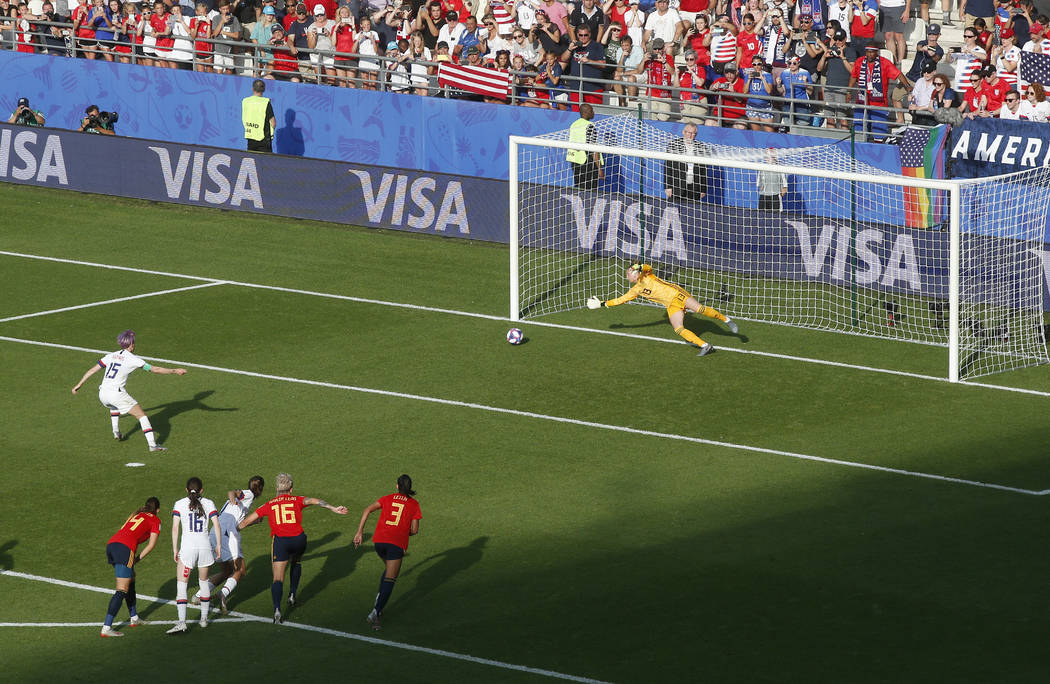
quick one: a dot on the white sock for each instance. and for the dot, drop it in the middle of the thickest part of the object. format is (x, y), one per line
(205, 594)
(114, 418)
(147, 430)
(180, 599)
(229, 586)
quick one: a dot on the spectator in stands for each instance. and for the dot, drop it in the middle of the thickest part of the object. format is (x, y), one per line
(493, 42)
(522, 44)
(943, 96)
(984, 36)
(615, 11)
(920, 102)
(1006, 57)
(753, 7)
(692, 75)
(420, 72)
(806, 46)
(181, 55)
(729, 109)
(873, 74)
(587, 14)
(367, 45)
(430, 23)
(979, 9)
(584, 59)
(748, 44)
(760, 109)
(657, 69)
(634, 20)
(343, 36)
(319, 37)
(53, 40)
(862, 28)
(24, 115)
(967, 59)
(248, 11)
(664, 24)
(723, 43)
(557, 14)
(1011, 108)
(1038, 41)
(628, 59)
(993, 91)
(201, 27)
(160, 22)
(284, 66)
(842, 12)
(928, 51)
(686, 181)
(895, 14)
(227, 28)
(971, 97)
(262, 34)
(452, 32)
(549, 77)
(797, 83)
(547, 34)
(473, 34)
(295, 32)
(697, 37)
(96, 20)
(1035, 105)
(776, 35)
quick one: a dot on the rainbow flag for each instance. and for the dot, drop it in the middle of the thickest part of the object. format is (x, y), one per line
(922, 156)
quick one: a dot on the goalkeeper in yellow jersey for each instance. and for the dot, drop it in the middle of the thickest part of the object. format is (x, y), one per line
(645, 284)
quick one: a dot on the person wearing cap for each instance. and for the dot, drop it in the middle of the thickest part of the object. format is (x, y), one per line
(872, 75)
(284, 65)
(295, 34)
(993, 91)
(319, 37)
(258, 119)
(920, 101)
(1037, 36)
(586, 166)
(835, 66)
(452, 32)
(666, 24)
(586, 61)
(729, 110)
(657, 69)
(805, 44)
(25, 116)
(927, 51)
(262, 35)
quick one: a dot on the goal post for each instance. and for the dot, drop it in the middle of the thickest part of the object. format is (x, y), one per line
(853, 249)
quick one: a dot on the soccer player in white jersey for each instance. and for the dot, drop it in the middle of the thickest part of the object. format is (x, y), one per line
(238, 505)
(118, 366)
(192, 514)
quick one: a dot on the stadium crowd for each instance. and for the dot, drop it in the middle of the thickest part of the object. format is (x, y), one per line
(758, 64)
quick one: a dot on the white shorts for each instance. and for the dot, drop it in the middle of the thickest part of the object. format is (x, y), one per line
(231, 546)
(196, 557)
(224, 61)
(116, 400)
(323, 60)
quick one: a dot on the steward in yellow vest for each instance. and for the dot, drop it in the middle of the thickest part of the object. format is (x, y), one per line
(586, 166)
(258, 119)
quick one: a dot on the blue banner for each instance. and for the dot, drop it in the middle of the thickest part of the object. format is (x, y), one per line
(980, 148)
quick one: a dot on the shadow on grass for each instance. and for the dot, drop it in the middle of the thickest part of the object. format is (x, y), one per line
(7, 561)
(434, 571)
(160, 415)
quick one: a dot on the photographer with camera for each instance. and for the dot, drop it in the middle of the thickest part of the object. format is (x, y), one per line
(835, 66)
(99, 122)
(24, 116)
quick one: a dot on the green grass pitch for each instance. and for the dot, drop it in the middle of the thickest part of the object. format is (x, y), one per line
(596, 506)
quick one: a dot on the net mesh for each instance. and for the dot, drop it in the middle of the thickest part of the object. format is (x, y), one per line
(790, 243)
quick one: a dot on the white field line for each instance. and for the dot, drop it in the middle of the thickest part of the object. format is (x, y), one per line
(245, 617)
(470, 314)
(556, 419)
(116, 624)
(108, 301)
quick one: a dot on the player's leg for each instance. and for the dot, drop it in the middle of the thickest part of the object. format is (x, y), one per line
(391, 556)
(115, 555)
(677, 319)
(235, 573)
(205, 592)
(182, 580)
(277, 588)
(131, 599)
(696, 307)
(296, 568)
(147, 429)
(114, 419)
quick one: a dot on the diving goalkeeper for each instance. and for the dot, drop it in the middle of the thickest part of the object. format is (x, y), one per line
(645, 284)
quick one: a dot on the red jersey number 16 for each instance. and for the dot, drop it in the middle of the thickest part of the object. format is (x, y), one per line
(287, 514)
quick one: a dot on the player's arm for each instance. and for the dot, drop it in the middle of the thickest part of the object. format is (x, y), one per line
(414, 528)
(628, 296)
(252, 518)
(90, 371)
(160, 370)
(149, 546)
(175, 537)
(372, 507)
(310, 501)
(217, 528)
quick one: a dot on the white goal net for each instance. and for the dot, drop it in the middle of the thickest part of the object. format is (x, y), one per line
(803, 237)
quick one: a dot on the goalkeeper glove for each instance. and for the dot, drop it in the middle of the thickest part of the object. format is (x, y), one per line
(594, 303)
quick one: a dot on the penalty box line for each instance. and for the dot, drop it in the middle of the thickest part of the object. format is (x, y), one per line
(109, 301)
(562, 419)
(246, 617)
(470, 314)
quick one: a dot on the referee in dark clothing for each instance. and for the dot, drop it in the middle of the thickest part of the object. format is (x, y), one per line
(258, 119)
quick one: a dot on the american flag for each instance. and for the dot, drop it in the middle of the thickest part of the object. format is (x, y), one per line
(1035, 68)
(473, 79)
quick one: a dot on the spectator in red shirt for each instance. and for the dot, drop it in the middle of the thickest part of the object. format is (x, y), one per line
(993, 91)
(729, 108)
(285, 514)
(121, 553)
(873, 74)
(398, 520)
(748, 44)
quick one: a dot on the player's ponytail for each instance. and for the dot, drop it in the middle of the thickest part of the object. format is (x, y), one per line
(404, 486)
(194, 487)
(152, 505)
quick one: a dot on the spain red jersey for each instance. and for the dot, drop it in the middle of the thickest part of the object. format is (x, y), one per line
(395, 519)
(136, 530)
(285, 514)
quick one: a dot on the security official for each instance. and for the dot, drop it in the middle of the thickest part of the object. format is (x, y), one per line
(259, 121)
(586, 166)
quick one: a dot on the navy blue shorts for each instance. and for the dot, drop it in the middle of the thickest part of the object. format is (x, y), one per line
(284, 548)
(389, 551)
(121, 558)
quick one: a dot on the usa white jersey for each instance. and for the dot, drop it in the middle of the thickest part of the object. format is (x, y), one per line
(117, 366)
(238, 511)
(194, 526)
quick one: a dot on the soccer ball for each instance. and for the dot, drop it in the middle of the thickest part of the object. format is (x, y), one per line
(515, 336)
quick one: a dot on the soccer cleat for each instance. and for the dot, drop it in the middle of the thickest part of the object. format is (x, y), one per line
(277, 619)
(373, 619)
(222, 604)
(119, 436)
(705, 348)
(203, 622)
(195, 600)
(733, 327)
(108, 631)
(291, 600)
(157, 447)
(179, 628)
(136, 621)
